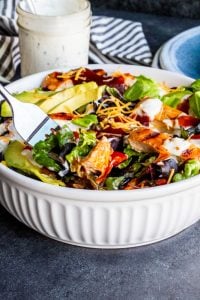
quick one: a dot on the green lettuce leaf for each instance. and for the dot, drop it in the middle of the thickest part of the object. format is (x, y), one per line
(41, 153)
(143, 87)
(195, 86)
(174, 98)
(86, 121)
(195, 104)
(86, 143)
(191, 168)
(112, 183)
(64, 136)
(114, 92)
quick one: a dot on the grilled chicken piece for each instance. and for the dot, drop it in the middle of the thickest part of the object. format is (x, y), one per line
(146, 140)
(98, 159)
(55, 82)
(58, 81)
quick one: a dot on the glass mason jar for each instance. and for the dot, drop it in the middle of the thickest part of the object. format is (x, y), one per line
(54, 39)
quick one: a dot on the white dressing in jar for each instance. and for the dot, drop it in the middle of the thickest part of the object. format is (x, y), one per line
(56, 37)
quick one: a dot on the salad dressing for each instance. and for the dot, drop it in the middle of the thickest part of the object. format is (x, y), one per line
(57, 36)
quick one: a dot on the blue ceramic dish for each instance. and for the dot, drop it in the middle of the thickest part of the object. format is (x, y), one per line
(182, 53)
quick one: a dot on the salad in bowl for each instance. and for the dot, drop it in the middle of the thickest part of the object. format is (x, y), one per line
(116, 131)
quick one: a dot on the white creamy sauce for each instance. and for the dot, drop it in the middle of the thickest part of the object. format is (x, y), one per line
(185, 97)
(53, 7)
(168, 122)
(176, 146)
(150, 107)
(176, 124)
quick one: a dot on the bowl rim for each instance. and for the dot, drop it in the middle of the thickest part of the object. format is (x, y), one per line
(97, 195)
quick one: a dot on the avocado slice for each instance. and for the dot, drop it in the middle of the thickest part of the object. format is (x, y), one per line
(63, 96)
(14, 158)
(79, 100)
(35, 96)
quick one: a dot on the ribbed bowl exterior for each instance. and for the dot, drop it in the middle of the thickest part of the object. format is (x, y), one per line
(99, 224)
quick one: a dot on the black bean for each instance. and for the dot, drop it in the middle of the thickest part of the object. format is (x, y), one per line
(124, 182)
(197, 128)
(67, 148)
(114, 141)
(163, 169)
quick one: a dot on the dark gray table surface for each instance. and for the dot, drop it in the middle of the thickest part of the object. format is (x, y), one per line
(35, 267)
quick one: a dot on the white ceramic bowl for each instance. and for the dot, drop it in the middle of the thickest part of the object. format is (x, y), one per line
(102, 219)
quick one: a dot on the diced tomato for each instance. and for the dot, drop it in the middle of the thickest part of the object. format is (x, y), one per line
(116, 159)
(76, 135)
(196, 136)
(144, 120)
(161, 181)
(186, 121)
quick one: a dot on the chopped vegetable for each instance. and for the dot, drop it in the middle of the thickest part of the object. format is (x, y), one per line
(87, 141)
(41, 153)
(64, 136)
(191, 168)
(174, 98)
(195, 86)
(195, 104)
(86, 121)
(143, 87)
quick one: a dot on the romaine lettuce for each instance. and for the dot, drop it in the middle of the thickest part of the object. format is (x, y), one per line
(174, 98)
(143, 87)
(87, 141)
(191, 168)
(195, 86)
(195, 104)
(41, 153)
(86, 121)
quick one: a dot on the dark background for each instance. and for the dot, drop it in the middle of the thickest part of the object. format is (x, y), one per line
(181, 8)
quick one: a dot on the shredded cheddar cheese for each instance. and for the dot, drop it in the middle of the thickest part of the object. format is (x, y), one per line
(118, 110)
(171, 174)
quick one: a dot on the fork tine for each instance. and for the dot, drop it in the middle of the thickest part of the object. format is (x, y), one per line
(31, 123)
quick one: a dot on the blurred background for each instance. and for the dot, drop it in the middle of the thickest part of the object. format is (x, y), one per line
(176, 8)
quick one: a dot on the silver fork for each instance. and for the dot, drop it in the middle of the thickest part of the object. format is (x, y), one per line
(31, 123)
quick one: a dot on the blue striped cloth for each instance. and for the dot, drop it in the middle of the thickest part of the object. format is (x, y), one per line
(112, 40)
